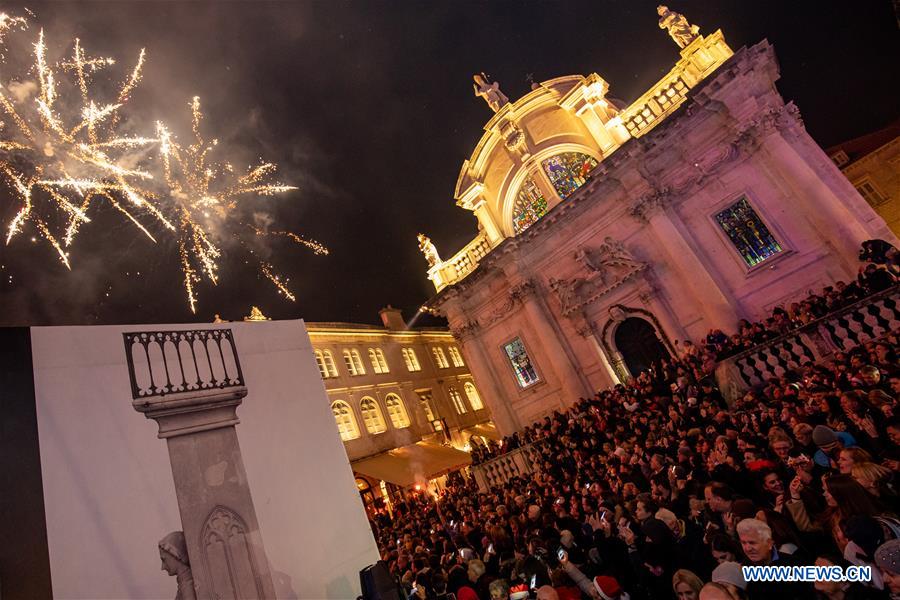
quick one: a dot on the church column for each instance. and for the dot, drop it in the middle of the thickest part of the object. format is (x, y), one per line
(716, 304)
(483, 213)
(483, 372)
(587, 330)
(566, 371)
(838, 224)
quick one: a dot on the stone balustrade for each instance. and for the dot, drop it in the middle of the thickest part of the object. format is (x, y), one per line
(698, 59)
(839, 331)
(498, 471)
(461, 264)
(175, 362)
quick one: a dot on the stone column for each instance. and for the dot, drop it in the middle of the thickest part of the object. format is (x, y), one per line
(587, 330)
(191, 384)
(482, 369)
(836, 223)
(483, 213)
(716, 303)
(569, 377)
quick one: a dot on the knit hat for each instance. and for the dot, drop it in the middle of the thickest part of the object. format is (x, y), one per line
(887, 557)
(518, 592)
(729, 572)
(175, 545)
(607, 587)
(824, 436)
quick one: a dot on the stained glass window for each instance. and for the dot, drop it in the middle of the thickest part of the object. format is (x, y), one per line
(529, 207)
(568, 171)
(748, 233)
(521, 363)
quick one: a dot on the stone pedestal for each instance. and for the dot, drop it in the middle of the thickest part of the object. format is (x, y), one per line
(191, 384)
(223, 538)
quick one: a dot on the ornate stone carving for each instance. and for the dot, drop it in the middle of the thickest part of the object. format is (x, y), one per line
(519, 292)
(678, 27)
(489, 91)
(227, 551)
(516, 295)
(465, 331)
(514, 139)
(175, 562)
(604, 269)
(650, 202)
(427, 248)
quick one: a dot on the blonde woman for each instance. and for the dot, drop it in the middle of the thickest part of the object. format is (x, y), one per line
(871, 476)
(686, 585)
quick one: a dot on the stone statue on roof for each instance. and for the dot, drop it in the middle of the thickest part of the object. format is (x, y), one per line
(681, 31)
(426, 247)
(489, 91)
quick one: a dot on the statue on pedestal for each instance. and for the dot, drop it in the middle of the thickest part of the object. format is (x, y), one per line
(427, 248)
(174, 557)
(489, 91)
(681, 31)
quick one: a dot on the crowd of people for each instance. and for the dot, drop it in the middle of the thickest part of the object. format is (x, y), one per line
(659, 489)
(872, 279)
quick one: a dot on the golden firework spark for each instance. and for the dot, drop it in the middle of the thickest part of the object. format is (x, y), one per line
(57, 163)
(206, 196)
(62, 153)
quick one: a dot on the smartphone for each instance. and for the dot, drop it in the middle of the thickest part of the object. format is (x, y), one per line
(533, 581)
(452, 523)
(432, 531)
(490, 548)
(560, 554)
(603, 517)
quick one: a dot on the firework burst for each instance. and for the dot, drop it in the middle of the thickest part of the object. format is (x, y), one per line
(58, 155)
(63, 152)
(207, 197)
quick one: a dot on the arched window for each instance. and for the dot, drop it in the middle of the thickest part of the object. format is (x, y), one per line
(474, 398)
(457, 400)
(440, 358)
(328, 360)
(568, 171)
(354, 362)
(320, 362)
(456, 357)
(346, 422)
(412, 361)
(530, 205)
(325, 362)
(396, 411)
(379, 364)
(372, 417)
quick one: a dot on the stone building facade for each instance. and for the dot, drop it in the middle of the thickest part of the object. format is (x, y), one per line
(393, 387)
(872, 164)
(607, 233)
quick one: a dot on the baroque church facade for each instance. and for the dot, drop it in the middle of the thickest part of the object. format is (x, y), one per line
(606, 233)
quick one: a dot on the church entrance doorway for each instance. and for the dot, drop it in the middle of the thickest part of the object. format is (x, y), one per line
(637, 342)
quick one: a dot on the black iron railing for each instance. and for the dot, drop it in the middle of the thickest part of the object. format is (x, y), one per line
(173, 362)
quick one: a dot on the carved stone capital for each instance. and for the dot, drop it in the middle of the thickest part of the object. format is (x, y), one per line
(520, 292)
(649, 203)
(465, 331)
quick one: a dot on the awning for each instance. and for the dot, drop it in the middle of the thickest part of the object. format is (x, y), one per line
(486, 430)
(413, 464)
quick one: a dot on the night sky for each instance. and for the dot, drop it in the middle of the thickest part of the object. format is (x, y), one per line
(368, 108)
